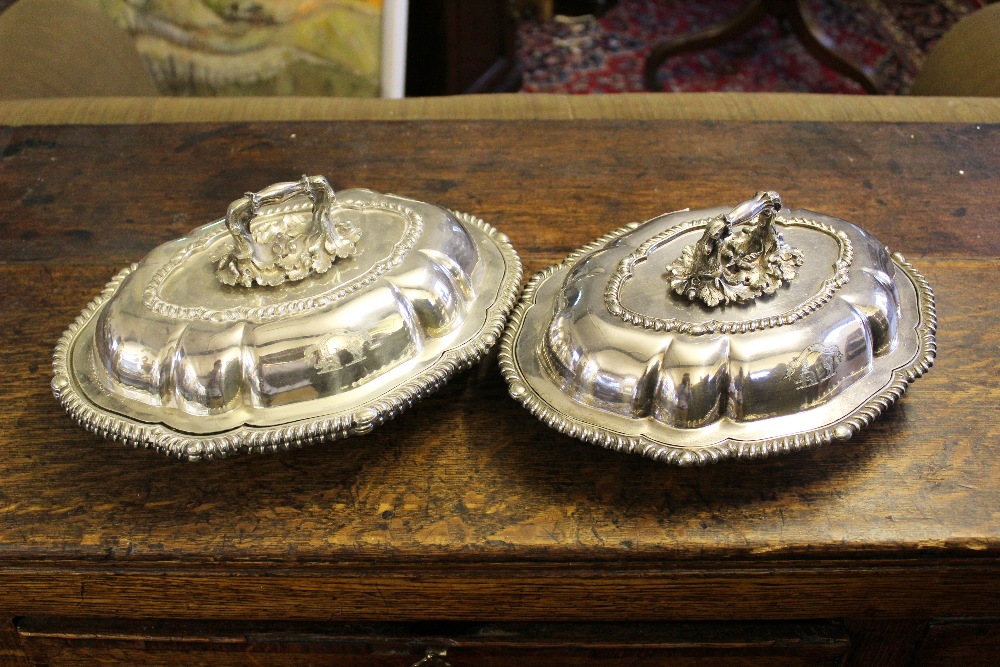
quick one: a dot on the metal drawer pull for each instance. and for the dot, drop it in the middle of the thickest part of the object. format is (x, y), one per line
(434, 657)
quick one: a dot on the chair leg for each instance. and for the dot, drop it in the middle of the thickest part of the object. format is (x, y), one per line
(824, 50)
(806, 30)
(750, 14)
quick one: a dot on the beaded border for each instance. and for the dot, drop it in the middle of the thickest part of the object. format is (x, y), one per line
(361, 420)
(842, 429)
(612, 292)
(153, 300)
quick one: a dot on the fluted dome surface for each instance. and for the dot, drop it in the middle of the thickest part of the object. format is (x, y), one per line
(404, 294)
(604, 348)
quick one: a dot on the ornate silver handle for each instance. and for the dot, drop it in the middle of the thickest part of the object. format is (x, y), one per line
(286, 254)
(740, 256)
(434, 657)
(762, 203)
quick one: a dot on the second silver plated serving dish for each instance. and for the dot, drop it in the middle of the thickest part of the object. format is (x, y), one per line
(301, 316)
(705, 335)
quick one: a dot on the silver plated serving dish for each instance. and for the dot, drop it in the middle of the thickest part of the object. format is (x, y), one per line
(302, 316)
(705, 335)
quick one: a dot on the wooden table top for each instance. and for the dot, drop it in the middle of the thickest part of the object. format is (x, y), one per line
(467, 477)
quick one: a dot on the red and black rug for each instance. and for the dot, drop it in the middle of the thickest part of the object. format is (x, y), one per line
(606, 55)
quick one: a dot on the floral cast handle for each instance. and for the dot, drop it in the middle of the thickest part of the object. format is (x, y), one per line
(740, 256)
(290, 249)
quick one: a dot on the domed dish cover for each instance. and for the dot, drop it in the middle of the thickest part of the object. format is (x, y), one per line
(705, 335)
(302, 316)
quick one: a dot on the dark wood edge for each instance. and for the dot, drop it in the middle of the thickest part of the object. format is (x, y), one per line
(462, 633)
(887, 643)
(507, 593)
(50, 638)
(12, 653)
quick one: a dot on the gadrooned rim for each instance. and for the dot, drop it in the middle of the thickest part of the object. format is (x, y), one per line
(250, 439)
(842, 429)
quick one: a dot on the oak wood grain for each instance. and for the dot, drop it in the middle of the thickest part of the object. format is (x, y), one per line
(469, 475)
(67, 642)
(968, 642)
(465, 506)
(11, 652)
(887, 643)
(508, 592)
(110, 193)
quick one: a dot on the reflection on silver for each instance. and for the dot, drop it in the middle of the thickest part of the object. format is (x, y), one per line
(169, 357)
(598, 349)
(337, 350)
(817, 362)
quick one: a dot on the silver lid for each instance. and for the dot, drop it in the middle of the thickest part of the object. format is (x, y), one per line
(301, 316)
(704, 335)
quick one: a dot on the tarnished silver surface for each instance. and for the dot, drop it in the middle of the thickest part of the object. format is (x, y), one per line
(602, 348)
(170, 357)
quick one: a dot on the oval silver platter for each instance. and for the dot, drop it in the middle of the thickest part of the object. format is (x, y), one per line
(302, 316)
(723, 333)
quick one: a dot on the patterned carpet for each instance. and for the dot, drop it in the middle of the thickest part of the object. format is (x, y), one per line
(606, 55)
